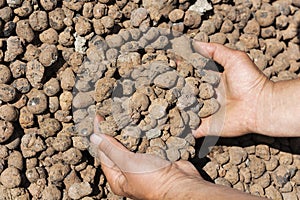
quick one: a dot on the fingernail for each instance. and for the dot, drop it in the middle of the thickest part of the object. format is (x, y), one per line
(96, 139)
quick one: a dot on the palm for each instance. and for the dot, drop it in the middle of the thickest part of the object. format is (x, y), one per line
(238, 93)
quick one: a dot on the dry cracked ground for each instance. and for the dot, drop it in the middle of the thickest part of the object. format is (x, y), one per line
(132, 61)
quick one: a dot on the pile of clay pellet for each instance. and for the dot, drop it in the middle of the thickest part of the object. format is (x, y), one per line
(157, 98)
(132, 61)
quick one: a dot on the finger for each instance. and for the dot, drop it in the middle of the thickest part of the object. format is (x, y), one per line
(213, 125)
(223, 55)
(125, 160)
(111, 148)
(202, 130)
(187, 167)
(115, 178)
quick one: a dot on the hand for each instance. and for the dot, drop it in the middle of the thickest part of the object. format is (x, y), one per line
(244, 87)
(142, 176)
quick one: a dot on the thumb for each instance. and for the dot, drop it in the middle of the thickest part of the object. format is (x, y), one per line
(114, 152)
(223, 55)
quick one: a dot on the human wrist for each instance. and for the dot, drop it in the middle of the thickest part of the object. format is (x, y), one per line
(264, 109)
(184, 187)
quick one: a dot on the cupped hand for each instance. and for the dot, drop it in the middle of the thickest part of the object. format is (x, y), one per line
(140, 176)
(243, 89)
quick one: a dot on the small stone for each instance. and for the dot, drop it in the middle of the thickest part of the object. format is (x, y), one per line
(153, 133)
(51, 192)
(210, 106)
(290, 195)
(138, 16)
(53, 104)
(257, 166)
(32, 52)
(8, 113)
(22, 85)
(286, 188)
(5, 74)
(10, 177)
(172, 154)
(56, 19)
(7, 92)
(6, 14)
(285, 158)
(192, 19)
(245, 175)
(263, 151)
(57, 172)
(176, 142)
(206, 91)
(87, 10)
(14, 48)
(166, 80)
(51, 87)
(232, 175)
(49, 36)
(38, 20)
(114, 41)
(6, 130)
(50, 127)
(256, 190)
(273, 47)
(37, 102)
(81, 143)
(48, 5)
(35, 73)
(264, 180)
(17, 69)
(239, 186)
(65, 38)
(157, 108)
(83, 99)
(48, 55)
(222, 181)
(176, 15)
(15, 159)
(264, 17)
(24, 30)
(130, 137)
(139, 101)
(25, 10)
(26, 118)
(67, 81)
(223, 158)
(157, 151)
(209, 76)
(72, 156)
(208, 27)
(211, 168)
(158, 142)
(194, 120)
(281, 176)
(186, 99)
(272, 193)
(104, 87)
(61, 143)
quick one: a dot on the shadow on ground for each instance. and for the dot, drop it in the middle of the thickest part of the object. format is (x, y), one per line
(288, 145)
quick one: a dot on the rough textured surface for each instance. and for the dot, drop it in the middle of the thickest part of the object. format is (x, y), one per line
(60, 62)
